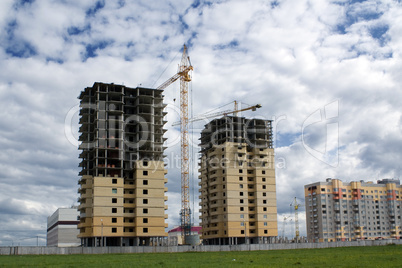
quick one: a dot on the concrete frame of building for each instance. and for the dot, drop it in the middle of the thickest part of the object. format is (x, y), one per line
(122, 185)
(237, 179)
(337, 211)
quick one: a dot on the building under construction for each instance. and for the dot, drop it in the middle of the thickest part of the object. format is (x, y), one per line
(237, 179)
(122, 185)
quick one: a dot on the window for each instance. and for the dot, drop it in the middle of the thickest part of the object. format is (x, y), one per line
(263, 172)
(145, 182)
(145, 230)
(114, 220)
(240, 171)
(263, 179)
(241, 185)
(241, 201)
(265, 224)
(264, 209)
(242, 232)
(114, 230)
(145, 172)
(114, 190)
(144, 191)
(145, 201)
(145, 163)
(264, 201)
(145, 220)
(241, 208)
(240, 178)
(265, 231)
(242, 224)
(265, 216)
(114, 200)
(241, 193)
(114, 181)
(264, 187)
(145, 210)
(114, 210)
(241, 216)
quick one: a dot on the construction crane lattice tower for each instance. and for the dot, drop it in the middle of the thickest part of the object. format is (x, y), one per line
(185, 213)
(183, 73)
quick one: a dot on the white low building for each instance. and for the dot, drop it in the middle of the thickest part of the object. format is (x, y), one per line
(62, 228)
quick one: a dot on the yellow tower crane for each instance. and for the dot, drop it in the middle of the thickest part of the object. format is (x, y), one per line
(284, 226)
(235, 111)
(184, 74)
(296, 205)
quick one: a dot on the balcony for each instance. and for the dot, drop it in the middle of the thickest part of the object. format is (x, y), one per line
(129, 205)
(83, 225)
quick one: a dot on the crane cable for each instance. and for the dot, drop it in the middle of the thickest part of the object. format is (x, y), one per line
(206, 113)
(167, 66)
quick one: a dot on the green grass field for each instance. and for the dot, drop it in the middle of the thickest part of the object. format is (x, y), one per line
(379, 256)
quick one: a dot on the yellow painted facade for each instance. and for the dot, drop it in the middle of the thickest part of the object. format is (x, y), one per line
(117, 207)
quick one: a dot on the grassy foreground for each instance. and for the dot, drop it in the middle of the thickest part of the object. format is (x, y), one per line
(378, 256)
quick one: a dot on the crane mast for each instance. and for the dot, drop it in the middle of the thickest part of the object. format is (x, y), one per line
(296, 206)
(183, 73)
(185, 213)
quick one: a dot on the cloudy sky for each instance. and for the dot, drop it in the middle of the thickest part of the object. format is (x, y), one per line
(328, 73)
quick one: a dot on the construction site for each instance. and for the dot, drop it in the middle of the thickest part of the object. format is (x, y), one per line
(123, 177)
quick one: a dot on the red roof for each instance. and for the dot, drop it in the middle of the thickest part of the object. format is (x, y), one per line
(193, 229)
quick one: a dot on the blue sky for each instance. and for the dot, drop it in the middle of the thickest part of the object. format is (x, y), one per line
(296, 58)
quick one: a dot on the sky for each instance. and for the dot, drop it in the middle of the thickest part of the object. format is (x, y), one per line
(327, 73)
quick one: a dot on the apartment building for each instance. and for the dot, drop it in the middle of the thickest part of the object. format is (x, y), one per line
(122, 184)
(62, 228)
(237, 182)
(338, 211)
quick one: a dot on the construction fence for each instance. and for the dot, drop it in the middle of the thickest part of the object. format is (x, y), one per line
(173, 249)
